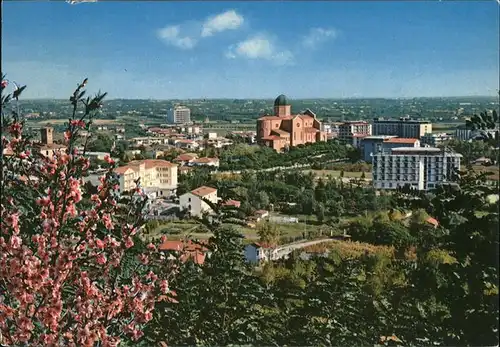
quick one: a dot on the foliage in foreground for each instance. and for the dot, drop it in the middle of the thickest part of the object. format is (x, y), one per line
(70, 273)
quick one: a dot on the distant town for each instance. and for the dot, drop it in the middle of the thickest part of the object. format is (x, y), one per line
(392, 141)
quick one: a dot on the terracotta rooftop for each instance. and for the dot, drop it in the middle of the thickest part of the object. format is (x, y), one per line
(433, 221)
(205, 160)
(275, 118)
(281, 132)
(401, 140)
(231, 202)
(311, 130)
(179, 245)
(148, 164)
(203, 190)
(271, 137)
(185, 157)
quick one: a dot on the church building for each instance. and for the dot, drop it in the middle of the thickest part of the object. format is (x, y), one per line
(284, 130)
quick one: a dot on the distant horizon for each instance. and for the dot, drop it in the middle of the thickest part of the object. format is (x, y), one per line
(294, 99)
(225, 50)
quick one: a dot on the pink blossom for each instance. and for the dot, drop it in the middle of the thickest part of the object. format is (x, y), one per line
(63, 235)
(108, 160)
(128, 242)
(101, 259)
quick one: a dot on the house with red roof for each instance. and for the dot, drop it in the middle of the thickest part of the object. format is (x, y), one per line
(185, 250)
(193, 201)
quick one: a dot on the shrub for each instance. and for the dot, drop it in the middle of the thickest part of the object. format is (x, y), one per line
(72, 271)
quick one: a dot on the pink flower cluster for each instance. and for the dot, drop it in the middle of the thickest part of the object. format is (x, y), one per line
(60, 255)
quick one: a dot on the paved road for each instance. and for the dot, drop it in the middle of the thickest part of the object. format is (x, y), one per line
(296, 166)
(289, 248)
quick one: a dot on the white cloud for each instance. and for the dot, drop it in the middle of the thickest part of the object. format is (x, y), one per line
(172, 35)
(260, 47)
(317, 36)
(229, 20)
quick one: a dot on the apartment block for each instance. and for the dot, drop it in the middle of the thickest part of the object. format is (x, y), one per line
(377, 143)
(348, 130)
(421, 168)
(157, 177)
(179, 115)
(435, 140)
(404, 127)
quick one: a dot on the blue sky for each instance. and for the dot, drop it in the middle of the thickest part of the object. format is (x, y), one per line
(166, 50)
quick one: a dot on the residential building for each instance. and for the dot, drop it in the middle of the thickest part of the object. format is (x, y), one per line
(185, 251)
(259, 252)
(186, 144)
(404, 127)
(205, 161)
(372, 144)
(464, 134)
(283, 130)
(46, 146)
(434, 140)
(185, 158)
(211, 136)
(348, 130)
(179, 115)
(194, 203)
(398, 142)
(421, 168)
(93, 155)
(157, 177)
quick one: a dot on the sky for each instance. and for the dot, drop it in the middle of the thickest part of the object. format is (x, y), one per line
(260, 49)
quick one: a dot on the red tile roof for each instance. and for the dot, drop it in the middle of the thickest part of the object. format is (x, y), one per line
(271, 137)
(433, 221)
(203, 190)
(148, 164)
(231, 202)
(185, 157)
(275, 118)
(205, 160)
(401, 140)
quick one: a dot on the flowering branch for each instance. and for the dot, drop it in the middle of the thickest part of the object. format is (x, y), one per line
(72, 269)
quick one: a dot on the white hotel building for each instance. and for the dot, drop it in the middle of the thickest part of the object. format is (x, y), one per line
(422, 168)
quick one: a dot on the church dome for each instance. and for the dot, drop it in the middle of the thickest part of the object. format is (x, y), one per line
(281, 101)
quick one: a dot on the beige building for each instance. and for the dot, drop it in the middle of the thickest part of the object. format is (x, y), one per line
(193, 200)
(179, 115)
(404, 127)
(158, 177)
(355, 129)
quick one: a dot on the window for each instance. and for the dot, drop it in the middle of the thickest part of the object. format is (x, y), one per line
(276, 125)
(298, 125)
(189, 200)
